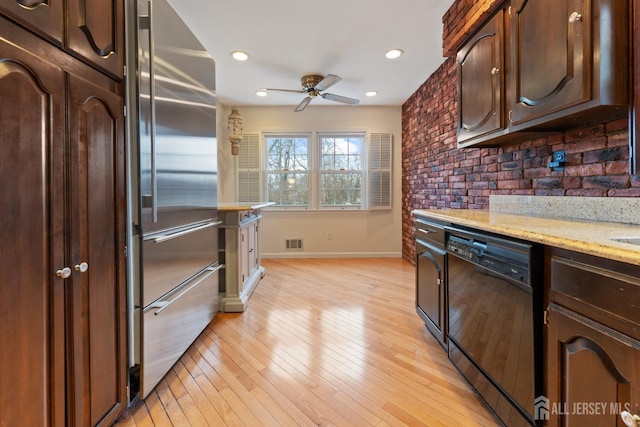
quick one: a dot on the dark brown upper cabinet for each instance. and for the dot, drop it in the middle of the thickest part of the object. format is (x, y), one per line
(480, 70)
(565, 65)
(94, 29)
(569, 65)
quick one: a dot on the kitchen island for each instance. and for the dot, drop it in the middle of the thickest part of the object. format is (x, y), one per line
(239, 240)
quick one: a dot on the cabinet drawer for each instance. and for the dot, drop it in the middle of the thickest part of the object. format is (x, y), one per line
(430, 231)
(169, 261)
(603, 290)
(170, 326)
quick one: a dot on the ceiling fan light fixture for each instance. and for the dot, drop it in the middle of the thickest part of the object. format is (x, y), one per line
(261, 92)
(371, 93)
(239, 55)
(313, 85)
(394, 53)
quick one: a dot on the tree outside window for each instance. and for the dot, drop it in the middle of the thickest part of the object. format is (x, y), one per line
(341, 170)
(288, 170)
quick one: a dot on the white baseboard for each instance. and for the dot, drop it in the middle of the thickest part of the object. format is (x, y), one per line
(302, 254)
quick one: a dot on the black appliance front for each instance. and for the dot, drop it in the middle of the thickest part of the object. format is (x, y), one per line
(495, 327)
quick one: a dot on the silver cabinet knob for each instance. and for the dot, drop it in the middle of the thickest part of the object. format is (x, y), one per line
(495, 70)
(575, 16)
(629, 419)
(82, 267)
(64, 273)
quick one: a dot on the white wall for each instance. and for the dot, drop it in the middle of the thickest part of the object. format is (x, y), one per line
(353, 234)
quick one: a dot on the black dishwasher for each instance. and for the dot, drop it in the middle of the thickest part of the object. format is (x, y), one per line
(495, 320)
(431, 257)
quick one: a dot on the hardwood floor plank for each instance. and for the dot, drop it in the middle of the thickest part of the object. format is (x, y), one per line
(323, 342)
(170, 404)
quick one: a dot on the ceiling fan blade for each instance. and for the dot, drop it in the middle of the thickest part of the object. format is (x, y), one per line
(286, 90)
(338, 98)
(328, 81)
(303, 104)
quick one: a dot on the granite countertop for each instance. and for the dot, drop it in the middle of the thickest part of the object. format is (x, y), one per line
(243, 206)
(586, 236)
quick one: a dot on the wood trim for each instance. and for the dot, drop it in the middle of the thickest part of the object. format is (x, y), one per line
(634, 84)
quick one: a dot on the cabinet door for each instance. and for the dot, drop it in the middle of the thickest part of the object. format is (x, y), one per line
(481, 81)
(551, 59)
(32, 384)
(592, 372)
(430, 289)
(45, 17)
(97, 365)
(252, 233)
(95, 31)
(243, 257)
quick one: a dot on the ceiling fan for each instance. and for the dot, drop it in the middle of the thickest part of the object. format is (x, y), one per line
(313, 84)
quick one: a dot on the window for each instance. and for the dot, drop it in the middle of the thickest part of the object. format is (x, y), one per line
(288, 170)
(316, 170)
(341, 170)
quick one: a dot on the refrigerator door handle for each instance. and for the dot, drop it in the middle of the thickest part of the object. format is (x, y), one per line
(162, 305)
(152, 97)
(165, 237)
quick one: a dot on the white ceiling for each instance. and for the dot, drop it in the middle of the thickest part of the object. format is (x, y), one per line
(289, 38)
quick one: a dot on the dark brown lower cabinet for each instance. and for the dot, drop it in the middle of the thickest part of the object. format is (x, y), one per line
(593, 340)
(431, 288)
(62, 202)
(594, 372)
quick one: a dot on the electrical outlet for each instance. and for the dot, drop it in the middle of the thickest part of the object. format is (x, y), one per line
(559, 156)
(559, 160)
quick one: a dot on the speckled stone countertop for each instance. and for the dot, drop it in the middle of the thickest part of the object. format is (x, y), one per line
(586, 236)
(243, 206)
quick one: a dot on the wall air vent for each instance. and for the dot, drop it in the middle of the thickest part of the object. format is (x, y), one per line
(293, 244)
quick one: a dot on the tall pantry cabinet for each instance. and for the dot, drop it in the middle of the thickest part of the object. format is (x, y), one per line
(62, 213)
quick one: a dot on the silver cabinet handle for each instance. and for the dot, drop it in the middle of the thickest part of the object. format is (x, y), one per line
(495, 70)
(64, 273)
(166, 237)
(426, 231)
(574, 17)
(162, 305)
(82, 267)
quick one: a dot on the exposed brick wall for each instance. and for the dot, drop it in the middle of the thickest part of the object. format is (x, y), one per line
(438, 175)
(461, 19)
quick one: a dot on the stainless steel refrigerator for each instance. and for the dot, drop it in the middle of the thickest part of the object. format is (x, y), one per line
(174, 187)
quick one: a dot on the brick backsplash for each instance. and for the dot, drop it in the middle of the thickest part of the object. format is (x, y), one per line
(438, 175)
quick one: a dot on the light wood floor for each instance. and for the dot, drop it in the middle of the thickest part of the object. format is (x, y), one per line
(323, 342)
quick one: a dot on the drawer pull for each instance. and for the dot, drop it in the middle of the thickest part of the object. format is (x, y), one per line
(162, 305)
(426, 231)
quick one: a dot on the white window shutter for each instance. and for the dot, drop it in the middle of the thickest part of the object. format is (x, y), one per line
(249, 169)
(380, 149)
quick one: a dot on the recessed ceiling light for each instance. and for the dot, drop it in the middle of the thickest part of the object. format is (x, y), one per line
(394, 53)
(239, 55)
(371, 93)
(261, 92)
